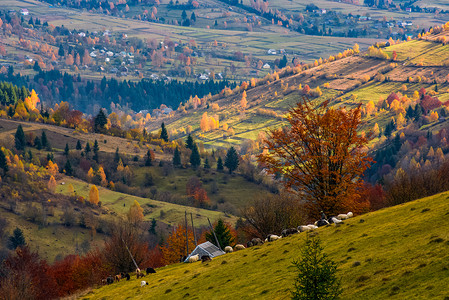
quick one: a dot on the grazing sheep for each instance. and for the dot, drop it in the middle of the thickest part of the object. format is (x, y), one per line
(289, 231)
(118, 277)
(205, 258)
(350, 214)
(110, 280)
(103, 281)
(127, 276)
(239, 247)
(312, 227)
(342, 216)
(150, 271)
(143, 283)
(139, 273)
(335, 220)
(194, 258)
(272, 237)
(303, 228)
(228, 249)
(256, 241)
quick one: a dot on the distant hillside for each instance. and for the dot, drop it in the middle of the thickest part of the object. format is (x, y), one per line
(399, 252)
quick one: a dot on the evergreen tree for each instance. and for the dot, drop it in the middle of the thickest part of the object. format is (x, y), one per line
(68, 168)
(316, 274)
(37, 143)
(189, 142)
(177, 158)
(183, 14)
(164, 134)
(78, 145)
(116, 156)
(206, 163)
(66, 149)
(418, 112)
(44, 140)
(87, 148)
(148, 160)
(19, 138)
(231, 160)
(30, 155)
(3, 162)
(100, 121)
(50, 157)
(96, 148)
(195, 159)
(152, 229)
(17, 239)
(11, 111)
(61, 50)
(283, 62)
(410, 112)
(193, 17)
(388, 130)
(219, 164)
(397, 143)
(36, 67)
(223, 234)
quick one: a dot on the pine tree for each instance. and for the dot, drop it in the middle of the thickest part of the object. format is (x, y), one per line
(17, 239)
(96, 148)
(66, 149)
(87, 148)
(418, 112)
(189, 142)
(36, 67)
(148, 160)
(164, 134)
(100, 121)
(3, 161)
(195, 159)
(193, 17)
(78, 145)
(231, 160)
(223, 233)
(61, 51)
(316, 274)
(68, 168)
(177, 158)
(152, 229)
(116, 156)
(219, 164)
(19, 138)
(206, 163)
(44, 140)
(183, 14)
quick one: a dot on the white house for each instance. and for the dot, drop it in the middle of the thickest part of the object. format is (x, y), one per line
(24, 12)
(271, 51)
(266, 66)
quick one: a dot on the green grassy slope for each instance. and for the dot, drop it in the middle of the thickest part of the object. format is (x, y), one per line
(402, 250)
(172, 214)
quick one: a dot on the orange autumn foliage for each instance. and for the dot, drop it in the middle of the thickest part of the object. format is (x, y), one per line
(320, 155)
(175, 247)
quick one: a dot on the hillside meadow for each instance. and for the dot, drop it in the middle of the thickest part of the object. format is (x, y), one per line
(399, 252)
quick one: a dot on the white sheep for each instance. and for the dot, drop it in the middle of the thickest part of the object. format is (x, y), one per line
(350, 214)
(239, 247)
(312, 227)
(194, 258)
(303, 228)
(228, 249)
(143, 283)
(272, 237)
(342, 216)
(335, 220)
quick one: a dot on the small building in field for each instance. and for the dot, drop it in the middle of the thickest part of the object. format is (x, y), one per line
(204, 249)
(24, 12)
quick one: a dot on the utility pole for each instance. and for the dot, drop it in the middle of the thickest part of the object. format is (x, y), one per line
(213, 231)
(187, 235)
(193, 228)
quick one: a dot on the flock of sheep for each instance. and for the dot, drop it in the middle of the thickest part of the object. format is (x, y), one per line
(110, 279)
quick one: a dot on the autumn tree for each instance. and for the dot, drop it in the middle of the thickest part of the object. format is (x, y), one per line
(94, 197)
(135, 213)
(52, 184)
(176, 247)
(319, 155)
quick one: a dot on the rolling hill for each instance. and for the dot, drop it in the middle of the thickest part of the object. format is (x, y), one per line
(399, 252)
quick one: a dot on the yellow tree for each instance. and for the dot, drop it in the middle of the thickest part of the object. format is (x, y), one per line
(94, 196)
(135, 213)
(243, 102)
(176, 246)
(320, 156)
(52, 184)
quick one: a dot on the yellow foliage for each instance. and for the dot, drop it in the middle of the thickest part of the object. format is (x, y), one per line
(52, 184)
(94, 197)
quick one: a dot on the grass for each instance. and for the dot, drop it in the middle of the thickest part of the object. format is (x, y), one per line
(168, 213)
(394, 253)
